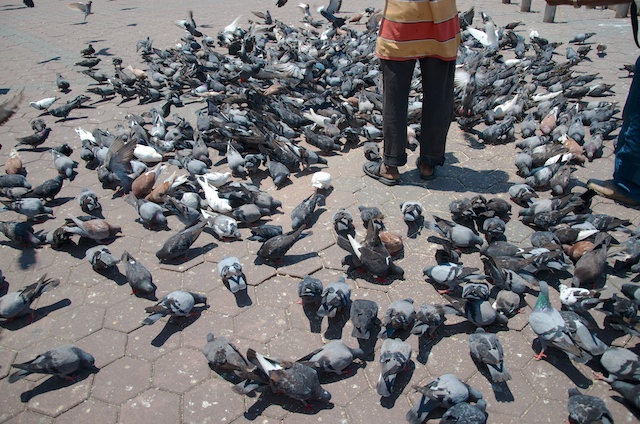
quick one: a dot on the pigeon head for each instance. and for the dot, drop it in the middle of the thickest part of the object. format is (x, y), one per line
(323, 395)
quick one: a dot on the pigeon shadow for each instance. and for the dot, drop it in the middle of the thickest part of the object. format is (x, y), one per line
(563, 364)
(27, 258)
(368, 346)
(501, 391)
(242, 298)
(25, 320)
(174, 325)
(268, 398)
(311, 312)
(425, 345)
(336, 324)
(402, 380)
(54, 383)
(59, 201)
(286, 261)
(53, 59)
(350, 371)
(113, 274)
(414, 228)
(104, 52)
(629, 405)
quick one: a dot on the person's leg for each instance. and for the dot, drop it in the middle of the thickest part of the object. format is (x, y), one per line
(397, 77)
(437, 111)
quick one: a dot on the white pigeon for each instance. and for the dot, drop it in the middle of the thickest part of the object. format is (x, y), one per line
(44, 104)
(321, 180)
(147, 154)
(211, 197)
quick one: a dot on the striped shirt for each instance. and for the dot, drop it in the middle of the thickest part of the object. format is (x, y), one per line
(412, 29)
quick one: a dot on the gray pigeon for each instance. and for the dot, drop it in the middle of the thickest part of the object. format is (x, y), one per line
(466, 413)
(551, 329)
(62, 361)
(581, 335)
(399, 316)
(275, 248)
(95, 229)
(335, 297)
(459, 235)
(621, 364)
(178, 303)
(224, 226)
(302, 213)
(507, 303)
(230, 269)
(138, 276)
(585, 409)
(394, 358)
(343, 223)
(292, 379)
(64, 164)
(100, 257)
(151, 214)
(430, 317)
(631, 392)
(333, 357)
(477, 307)
(180, 243)
(30, 207)
(411, 211)
(20, 232)
(88, 201)
(235, 161)
(223, 355)
(363, 314)
(17, 303)
(310, 290)
(248, 214)
(449, 274)
(486, 348)
(445, 391)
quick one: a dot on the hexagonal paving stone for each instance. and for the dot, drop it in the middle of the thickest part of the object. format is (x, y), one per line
(152, 341)
(180, 370)
(195, 335)
(279, 292)
(152, 406)
(442, 362)
(105, 345)
(27, 335)
(260, 324)
(54, 395)
(201, 278)
(7, 357)
(548, 383)
(107, 294)
(333, 415)
(212, 402)
(221, 300)
(91, 409)
(294, 344)
(348, 386)
(126, 316)
(11, 399)
(29, 417)
(369, 405)
(79, 322)
(122, 380)
(546, 411)
(501, 397)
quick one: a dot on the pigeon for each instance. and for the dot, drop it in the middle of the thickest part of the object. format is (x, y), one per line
(364, 315)
(84, 8)
(371, 253)
(632, 291)
(95, 229)
(486, 349)
(335, 297)
(179, 244)
(310, 290)
(14, 164)
(445, 391)
(343, 223)
(62, 361)
(621, 364)
(138, 276)
(9, 107)
(466, 413)
(590, 268)
(399, 316)
(30, 207)
(507, 303)
(333, 357)
(230, 270)
(151, 214)
(224, 226)
(411, 211)
(62, 84)
(178, 303)
(64, 164)
(582, 37)
(20, 232)
(394, 358)
(265, 232)
(449, 274)
(100, 258)
(551, 328)
(429, 317)
(292, 379)
(631, 392)
(15, 304)
(459, 235)
(321, 180)
(477, 307)
(275, 248)
(223, 355)
(585, 409)
(302, 213)
(581, 335)
(88, 201)
(44, 104)
(622, 314)
(579, 299)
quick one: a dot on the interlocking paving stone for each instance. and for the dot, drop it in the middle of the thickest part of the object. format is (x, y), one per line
(91, 409)
(29, 417)
(122, 380)
(105, 345)
(180, 370)
(54, 395)
(212, 402)
(151, 406)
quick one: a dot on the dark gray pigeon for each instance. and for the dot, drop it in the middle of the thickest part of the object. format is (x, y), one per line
(223, 355)
(180, 243)
(100, 257)
(335, 297)
(466, 413)
(230, 269)
(394, 357)
(302, 213)
(151, 214)
(399, 316)
(17, 303)
(48, 190)
(363, 314)
(292, 379)
(343, 223)
(445, 391)
(486, 348)
(477, 307)
(20, 232)
(62, 361)
(138, 276)
(459, 235)
(310, 290)
(411, 211)
(88, 201)
(584, 409)
(275, 248)
(178, 303)
(333, 357)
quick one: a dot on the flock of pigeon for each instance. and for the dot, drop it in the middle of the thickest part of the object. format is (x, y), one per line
(267, 88)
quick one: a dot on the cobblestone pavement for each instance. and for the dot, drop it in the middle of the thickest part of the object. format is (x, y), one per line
(157, 374)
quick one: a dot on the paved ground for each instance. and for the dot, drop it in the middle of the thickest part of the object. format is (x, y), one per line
(158, 373)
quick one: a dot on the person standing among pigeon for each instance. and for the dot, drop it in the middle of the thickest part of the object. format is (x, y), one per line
(411, 31)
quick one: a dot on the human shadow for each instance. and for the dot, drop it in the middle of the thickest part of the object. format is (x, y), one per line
(55, 383)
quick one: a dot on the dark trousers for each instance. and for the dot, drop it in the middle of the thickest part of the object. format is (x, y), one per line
(437, 108)
(626, 171)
